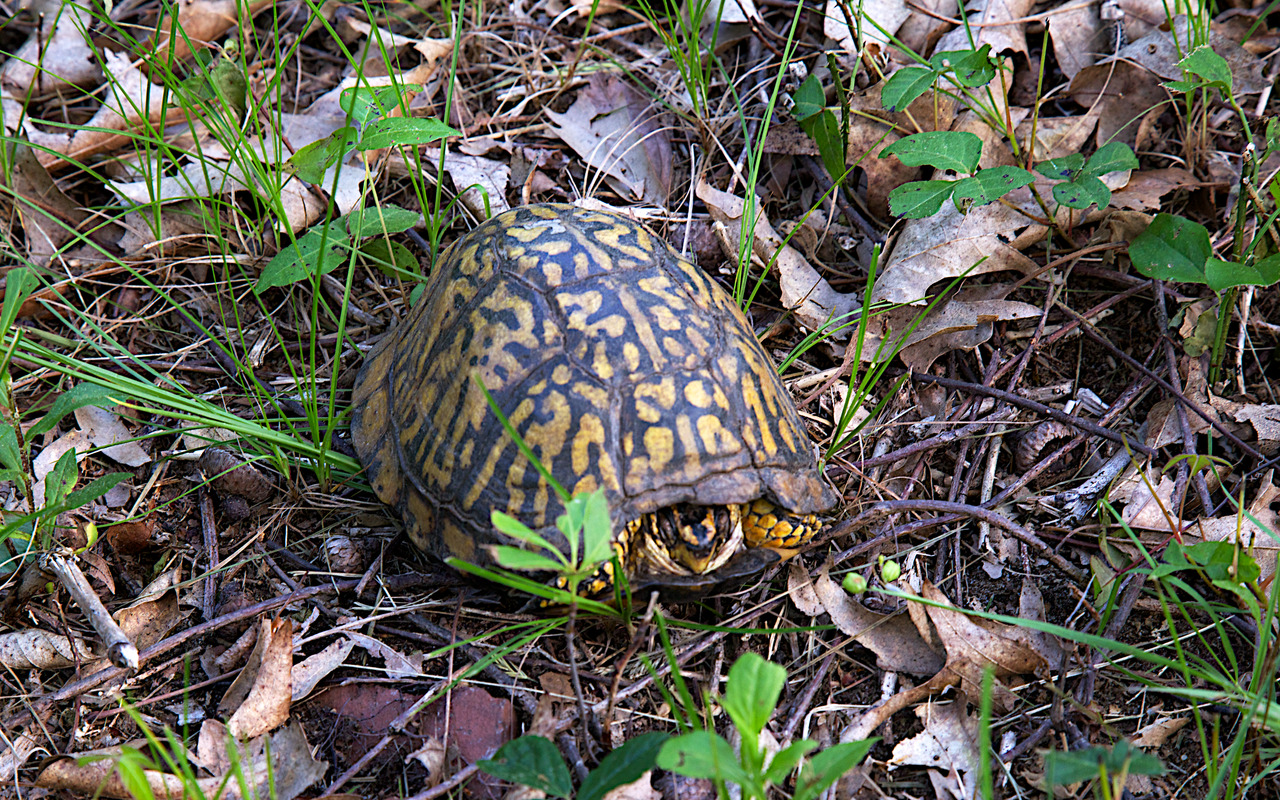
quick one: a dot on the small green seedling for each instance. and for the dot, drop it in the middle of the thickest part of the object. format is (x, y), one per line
(1110, 767)
(535, 762)
(329, 245)
(750, 699)
(22, 533)
(588, 532)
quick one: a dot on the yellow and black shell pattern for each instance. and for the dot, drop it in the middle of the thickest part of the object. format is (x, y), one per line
(622, 365)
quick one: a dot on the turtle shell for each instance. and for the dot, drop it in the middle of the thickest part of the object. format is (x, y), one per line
(623, 366)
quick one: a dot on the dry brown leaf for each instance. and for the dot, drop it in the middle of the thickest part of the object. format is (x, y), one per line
(260, 694)
(804, 291)
(308, 673)
(1265, 419)
(37, 649)
(398, 665)
(1056, 137)
(960, 324)
(1146, 188)
(950, 244)
(947, 746)
(800, 587)
(641, 789)
(202, 23)
(1078, 35)
(616, 130)
(994, 22)
(893, 638)
(879, 20)
(471, 174)
(973, 644)
(129, 99)
(922, 29)
(57, 56)
(18, 748)
(49, 218)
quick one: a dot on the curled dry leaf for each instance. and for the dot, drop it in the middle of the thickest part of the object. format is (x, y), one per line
(37, 649)
(128, 99)
(231, 474)
(49, 218)
(398, 665)
(308, 673)
(973, 644)
(18, 749)
(259, 696)
(947, 746)
(804, 291)
(893, 638)
(616, 130)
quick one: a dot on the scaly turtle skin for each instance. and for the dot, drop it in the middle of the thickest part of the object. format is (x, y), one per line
(622, 366)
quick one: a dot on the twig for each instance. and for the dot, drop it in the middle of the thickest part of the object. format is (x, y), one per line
(1040, 408)
(121, 652)
(888, 507)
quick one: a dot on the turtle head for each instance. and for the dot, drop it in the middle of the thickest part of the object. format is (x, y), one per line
(697, 539)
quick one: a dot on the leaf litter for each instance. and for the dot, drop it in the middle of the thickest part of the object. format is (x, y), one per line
(119, 152)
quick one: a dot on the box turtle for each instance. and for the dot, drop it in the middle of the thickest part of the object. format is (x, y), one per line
(623, 366)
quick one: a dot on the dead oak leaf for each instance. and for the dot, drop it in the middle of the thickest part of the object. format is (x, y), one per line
(616, 130)
(259, 698)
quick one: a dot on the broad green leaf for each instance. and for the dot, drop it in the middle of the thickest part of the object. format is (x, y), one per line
(1225, 274)
(519, 531)
(1208, 65)
(1183, 87)
(904, 86)
(702, 754)
(404, 131)
(78, 396)
(752, 694)
(625, 765)
(597, 529)
(364, 103)
(1061, 168)
(380, 220)
(311, 162)
(809, 99)
(919, 199)
(94, 489)
(989, 185)
(18, 286)
(61, 479)
(1084, 191)
(826, 767)
(969, 67)
(786, 759)
(531, 761)
(524, 560)
(392, 258)
(1172, 249)
(1062, 768)
(824, 130)
(10, 455)
(306, 258)
(953, 150)
(1111, 157)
